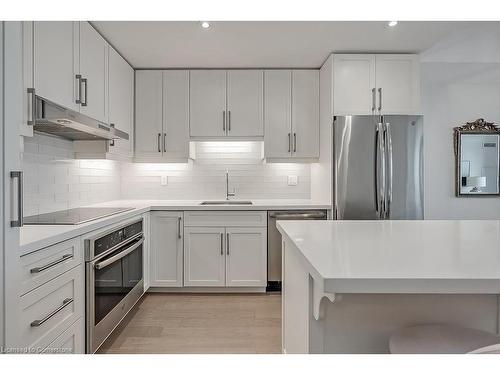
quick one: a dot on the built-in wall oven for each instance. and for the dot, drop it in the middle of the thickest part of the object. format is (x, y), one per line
(114, 279)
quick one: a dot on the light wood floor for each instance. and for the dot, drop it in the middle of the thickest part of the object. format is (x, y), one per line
(200, 323)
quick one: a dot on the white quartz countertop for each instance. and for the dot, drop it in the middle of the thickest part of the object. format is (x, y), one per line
(35, 237)
(431, 256)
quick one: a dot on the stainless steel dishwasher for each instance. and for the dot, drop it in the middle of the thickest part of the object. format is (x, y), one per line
(274, 241)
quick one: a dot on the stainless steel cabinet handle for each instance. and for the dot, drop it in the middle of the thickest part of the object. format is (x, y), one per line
(79, 98)
(227, 243)
(84, 81)
(164, 142)
(32, 100)
(380, 99)
(179, 227)
(289, 143)
(221, 244)
(51, 264)
(38, 323)
(19, 176)
(228, 121)
(373, 99)
(112, 142)
(114, 258)
(159, 140)
(294, 142)
(224, 121)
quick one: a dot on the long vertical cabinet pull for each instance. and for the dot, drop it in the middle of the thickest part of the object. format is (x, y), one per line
(19, 176)
(224, 122)
(164, 142)
(159, 142)
(380, 99)
(289, 142)
(227, 243)
(388, 145)
(179, 235)
(294, 142)
(373, 100)
(222, 244)
(79, 91)
(228, 121)
(32, 101)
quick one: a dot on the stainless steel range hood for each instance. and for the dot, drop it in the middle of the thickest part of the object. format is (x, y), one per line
(53, 119)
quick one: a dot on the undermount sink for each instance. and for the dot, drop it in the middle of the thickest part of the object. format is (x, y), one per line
(206, 203)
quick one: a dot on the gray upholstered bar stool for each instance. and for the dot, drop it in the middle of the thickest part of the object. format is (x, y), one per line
(443, 339)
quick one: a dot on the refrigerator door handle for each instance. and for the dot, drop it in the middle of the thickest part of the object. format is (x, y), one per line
(379, 171)
(388, 146)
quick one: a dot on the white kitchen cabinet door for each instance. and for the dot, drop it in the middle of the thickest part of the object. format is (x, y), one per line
(26, 126)
(305, 113)
(277, 114)
(204, 257)
(245, 103)
(93, 69)
(148, 114)
(166, 249)
(71, 341)
(398, 78)
(121, 101)
(56, 61)
(246, 256)
(175, 115)
(354, 84)
(207, 103)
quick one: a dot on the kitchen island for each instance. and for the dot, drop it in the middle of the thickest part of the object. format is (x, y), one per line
(348, 285)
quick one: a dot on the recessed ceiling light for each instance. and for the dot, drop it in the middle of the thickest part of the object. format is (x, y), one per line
(205, 25)
(392, 23)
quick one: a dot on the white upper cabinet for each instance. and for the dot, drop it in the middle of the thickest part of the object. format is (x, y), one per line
(26, 128)
(208, 103)
(398, 84)
(175, 115)
(305, 113)
(245, 103)
(354, 84)
(162, 116)
(56, 61)
(94, 70)
(278, 113)
(148, 114)
(291, 116)
(166, 249)
(376, 84)
(121, 101)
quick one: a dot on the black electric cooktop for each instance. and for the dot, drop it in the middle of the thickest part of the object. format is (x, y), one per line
(74, 216)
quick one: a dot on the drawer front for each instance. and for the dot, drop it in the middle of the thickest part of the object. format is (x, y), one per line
(49, 310)
(46, 264)
(71, 341)
(225, 218)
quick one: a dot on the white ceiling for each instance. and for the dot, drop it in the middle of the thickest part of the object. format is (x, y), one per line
(184, 44)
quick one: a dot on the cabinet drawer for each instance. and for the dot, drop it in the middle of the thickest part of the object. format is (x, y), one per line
(41, 266)
(49, 310)
(71, 341)
(225, 218)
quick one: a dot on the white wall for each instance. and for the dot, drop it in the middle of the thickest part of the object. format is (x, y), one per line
(204, 178)
(460, 83)
(54, 180)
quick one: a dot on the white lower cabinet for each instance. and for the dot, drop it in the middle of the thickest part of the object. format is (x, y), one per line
(71, 341)
(246, 257)
(166, 250)
(227, 255)
(204, 256)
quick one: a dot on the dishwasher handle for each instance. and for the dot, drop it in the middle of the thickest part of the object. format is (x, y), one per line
(298, 216)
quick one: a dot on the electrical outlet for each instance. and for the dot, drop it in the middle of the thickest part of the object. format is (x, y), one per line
(292, 180)
(164, 180)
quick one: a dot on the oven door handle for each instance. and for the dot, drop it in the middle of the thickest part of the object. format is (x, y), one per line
(124, 253)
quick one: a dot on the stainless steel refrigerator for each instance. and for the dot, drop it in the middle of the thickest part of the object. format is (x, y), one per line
(378, 167)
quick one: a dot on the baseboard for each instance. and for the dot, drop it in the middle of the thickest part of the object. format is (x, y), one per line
(207, 290)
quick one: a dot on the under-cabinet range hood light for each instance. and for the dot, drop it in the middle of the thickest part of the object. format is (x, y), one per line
(54, 119)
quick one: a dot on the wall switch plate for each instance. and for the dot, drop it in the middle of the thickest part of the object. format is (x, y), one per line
(164, 180)
(292, 180)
